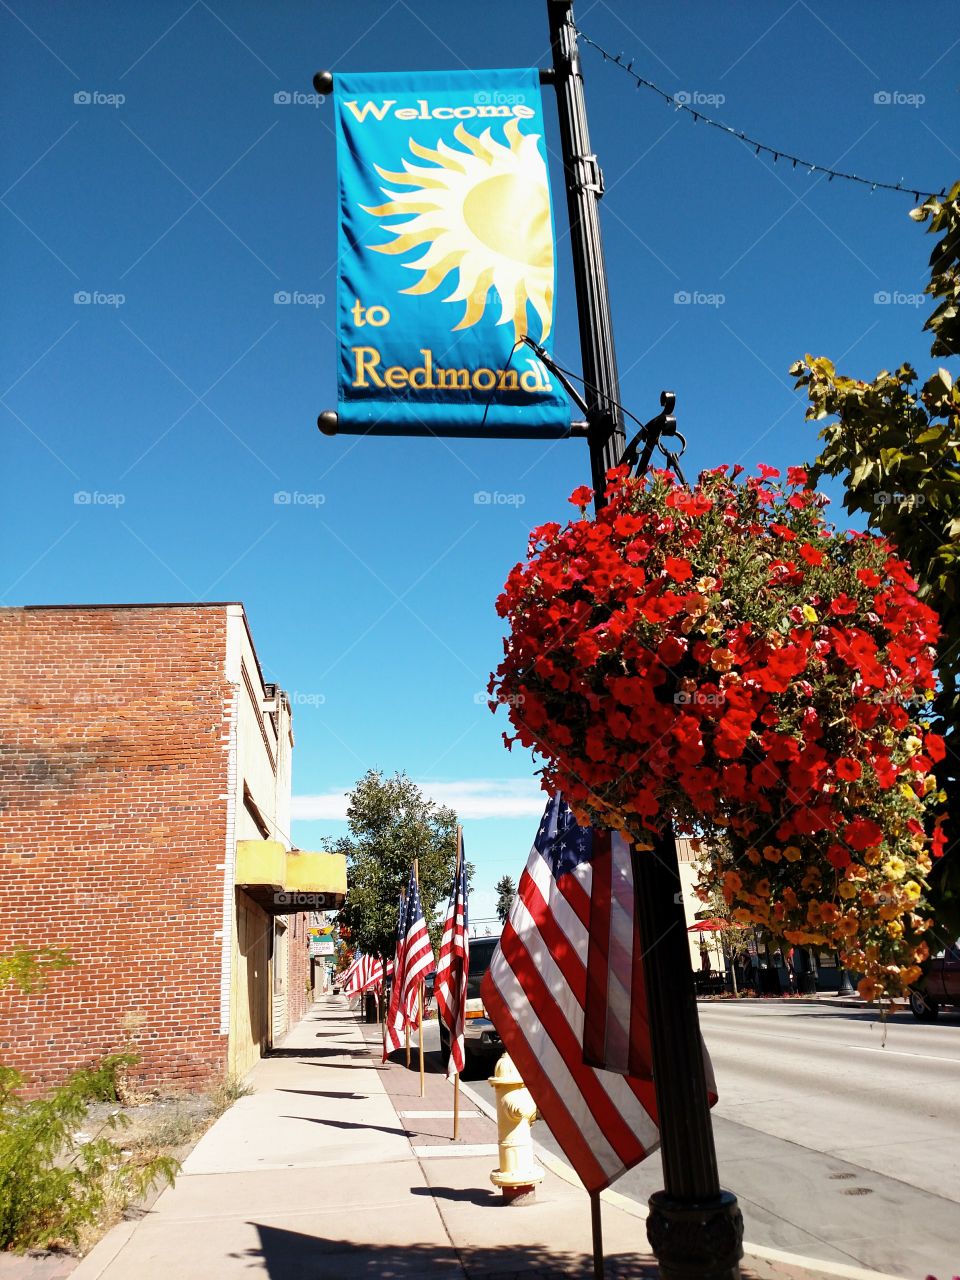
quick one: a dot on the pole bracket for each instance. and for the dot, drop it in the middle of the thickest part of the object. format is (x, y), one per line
(587, 174)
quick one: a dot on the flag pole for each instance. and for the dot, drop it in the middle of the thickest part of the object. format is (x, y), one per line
(416, 876)
(597, 1235)
(694, 1228)
(456, 1074)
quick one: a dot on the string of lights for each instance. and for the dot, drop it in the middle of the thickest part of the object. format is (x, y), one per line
(761, 148)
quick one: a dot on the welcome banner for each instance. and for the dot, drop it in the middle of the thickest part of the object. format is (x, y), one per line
(446, 253)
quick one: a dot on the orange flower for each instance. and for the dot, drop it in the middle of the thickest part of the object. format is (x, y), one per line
(868, 988)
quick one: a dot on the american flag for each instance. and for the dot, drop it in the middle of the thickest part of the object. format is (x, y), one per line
(450, 986)
(396, 1021)
(552, 1009)
(347, 977)
(417, 958)
(365, 973)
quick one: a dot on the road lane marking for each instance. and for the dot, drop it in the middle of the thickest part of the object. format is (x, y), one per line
(860, 1048)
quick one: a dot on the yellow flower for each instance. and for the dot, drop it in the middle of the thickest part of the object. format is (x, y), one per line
(810, 613)
(909, 974)
(911, 890)
(894, 929)
(895, 868)
(913, 745)
(847, 890)
(871, 856)
(792, 853)
(889, 911)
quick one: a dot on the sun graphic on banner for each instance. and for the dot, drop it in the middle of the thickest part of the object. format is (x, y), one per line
(483, 212)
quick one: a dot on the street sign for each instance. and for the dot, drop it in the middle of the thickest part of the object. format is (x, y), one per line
(321, 947)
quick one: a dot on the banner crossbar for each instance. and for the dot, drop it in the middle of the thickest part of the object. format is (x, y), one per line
(329, 424)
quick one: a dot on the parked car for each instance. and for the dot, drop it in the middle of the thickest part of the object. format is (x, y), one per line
(939, 985)
(481, 1044)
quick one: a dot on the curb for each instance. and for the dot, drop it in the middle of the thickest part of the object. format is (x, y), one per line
(637, 1210)
(825, 1001)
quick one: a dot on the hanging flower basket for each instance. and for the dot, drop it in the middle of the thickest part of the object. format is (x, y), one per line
(725, 660)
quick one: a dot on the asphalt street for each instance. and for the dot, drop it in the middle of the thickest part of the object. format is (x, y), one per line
(838, 1133)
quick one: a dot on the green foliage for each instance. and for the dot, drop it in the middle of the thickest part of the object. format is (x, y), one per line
(897, 448)
(944, 286)
(506, 892)
(391, 823)
(26, 968)
(53, 1179)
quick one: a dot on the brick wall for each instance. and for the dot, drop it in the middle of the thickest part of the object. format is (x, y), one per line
(113, 767)
(298, 968)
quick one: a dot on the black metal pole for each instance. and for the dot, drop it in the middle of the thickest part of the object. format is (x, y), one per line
(694, 1228)
(584, 185)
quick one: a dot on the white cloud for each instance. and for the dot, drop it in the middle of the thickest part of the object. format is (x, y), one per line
(472, 798)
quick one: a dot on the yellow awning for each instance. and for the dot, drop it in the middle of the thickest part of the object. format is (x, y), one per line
(284, 881)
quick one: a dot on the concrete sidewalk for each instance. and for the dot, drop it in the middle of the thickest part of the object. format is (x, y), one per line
(335, 1168)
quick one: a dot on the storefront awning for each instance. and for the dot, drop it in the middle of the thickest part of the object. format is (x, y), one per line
(285, 881)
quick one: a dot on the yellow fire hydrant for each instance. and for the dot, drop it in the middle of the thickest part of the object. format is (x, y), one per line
(519, 1172)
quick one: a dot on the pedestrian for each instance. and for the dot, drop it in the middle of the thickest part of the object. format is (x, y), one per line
(791, 972)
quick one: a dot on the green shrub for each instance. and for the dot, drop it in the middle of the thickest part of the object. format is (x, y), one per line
(54, 1180)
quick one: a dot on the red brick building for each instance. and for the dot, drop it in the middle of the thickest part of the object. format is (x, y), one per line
(142, 756)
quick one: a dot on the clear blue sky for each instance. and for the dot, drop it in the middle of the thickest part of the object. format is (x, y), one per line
(194, 399)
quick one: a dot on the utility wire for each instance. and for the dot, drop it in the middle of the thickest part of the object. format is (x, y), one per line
(778, 153)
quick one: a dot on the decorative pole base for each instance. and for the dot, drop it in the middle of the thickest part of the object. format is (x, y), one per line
(696, 1240)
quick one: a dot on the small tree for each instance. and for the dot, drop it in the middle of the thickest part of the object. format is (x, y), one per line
(506, 892)
(391, 823)
(897, 449)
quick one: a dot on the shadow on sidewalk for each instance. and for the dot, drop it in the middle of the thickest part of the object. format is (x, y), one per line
(347, 1124)
(318, 1052)
(343, 1096)
(289, 1255)
(467, 1195)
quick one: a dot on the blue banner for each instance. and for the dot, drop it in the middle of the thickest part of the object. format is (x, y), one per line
(446, 252)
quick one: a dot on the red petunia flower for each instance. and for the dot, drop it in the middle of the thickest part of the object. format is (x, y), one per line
(862, 833)
(847, 769)
(811, 555)
(679, 570)
(581, 497)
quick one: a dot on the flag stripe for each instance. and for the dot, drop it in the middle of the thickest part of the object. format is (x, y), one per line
(566, 984)
(615, 1104)
(550, 1102)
